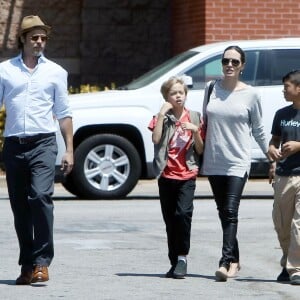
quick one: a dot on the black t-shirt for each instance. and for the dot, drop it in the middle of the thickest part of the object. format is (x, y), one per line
(286, 124)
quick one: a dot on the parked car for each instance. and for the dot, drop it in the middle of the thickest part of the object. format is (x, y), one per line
(113, 147)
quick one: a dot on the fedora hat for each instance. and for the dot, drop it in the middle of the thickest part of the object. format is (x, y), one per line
(30, 22)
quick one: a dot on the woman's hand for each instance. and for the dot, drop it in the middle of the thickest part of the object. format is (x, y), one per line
(272, 172)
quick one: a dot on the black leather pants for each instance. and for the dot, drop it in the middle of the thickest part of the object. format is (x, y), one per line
(227, 191)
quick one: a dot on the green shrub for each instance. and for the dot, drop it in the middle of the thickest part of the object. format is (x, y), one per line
(88, 88)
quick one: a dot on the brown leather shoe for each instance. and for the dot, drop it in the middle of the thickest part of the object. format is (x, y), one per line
(40, 274)
(25, 277)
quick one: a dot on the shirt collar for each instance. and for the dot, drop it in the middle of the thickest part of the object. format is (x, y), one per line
(173, 118)
(41, 59)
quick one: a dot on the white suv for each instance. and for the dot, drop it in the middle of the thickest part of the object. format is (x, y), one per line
(113, 147)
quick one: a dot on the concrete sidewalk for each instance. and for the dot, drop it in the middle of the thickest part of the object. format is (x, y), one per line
(147, 189)
(254, 188)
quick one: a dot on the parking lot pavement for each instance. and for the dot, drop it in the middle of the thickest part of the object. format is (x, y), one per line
(147, 189)
(117, 249)
(254, 188)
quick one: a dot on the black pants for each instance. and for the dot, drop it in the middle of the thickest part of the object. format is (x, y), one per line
(227, 191)
(176, 199)
(30, 171)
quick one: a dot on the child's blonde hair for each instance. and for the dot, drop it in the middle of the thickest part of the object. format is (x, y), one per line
(166, 86)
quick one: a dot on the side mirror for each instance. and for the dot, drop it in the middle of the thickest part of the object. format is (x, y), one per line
(188, 80)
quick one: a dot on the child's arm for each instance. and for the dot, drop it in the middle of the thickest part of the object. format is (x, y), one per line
(157, 131)
(196, 134)
(198, 142)
(274, 151)
(290, 148)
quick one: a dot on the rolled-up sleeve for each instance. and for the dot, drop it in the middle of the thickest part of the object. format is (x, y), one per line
(1, 88)
(61, 108)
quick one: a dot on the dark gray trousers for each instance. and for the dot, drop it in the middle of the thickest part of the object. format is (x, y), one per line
(30, 171)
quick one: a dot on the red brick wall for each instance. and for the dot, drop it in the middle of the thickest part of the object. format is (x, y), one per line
(107, 41)
(250, 19)
(229, 20)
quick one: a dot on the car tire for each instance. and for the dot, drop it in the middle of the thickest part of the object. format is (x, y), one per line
(106, 166)
(69, 185)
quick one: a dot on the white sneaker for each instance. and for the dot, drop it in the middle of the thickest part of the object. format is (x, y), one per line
(221, 274)
(233, 270)
(295, 279)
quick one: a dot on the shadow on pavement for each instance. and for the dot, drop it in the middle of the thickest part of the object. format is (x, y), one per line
(162, 275)
(8, 282)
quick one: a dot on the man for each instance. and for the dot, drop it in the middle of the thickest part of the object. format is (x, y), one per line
(33, 90)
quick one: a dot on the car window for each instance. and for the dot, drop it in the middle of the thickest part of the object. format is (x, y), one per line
(282, 62)
(251, 67)
(158, 71)
(267, 67)
(205, 71)
(256, 71)
(263, 67)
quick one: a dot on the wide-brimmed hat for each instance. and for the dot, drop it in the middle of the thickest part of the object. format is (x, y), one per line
(31, 22)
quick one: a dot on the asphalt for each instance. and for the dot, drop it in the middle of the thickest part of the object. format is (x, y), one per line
(254, 188)
(117, 249)
(147, 189)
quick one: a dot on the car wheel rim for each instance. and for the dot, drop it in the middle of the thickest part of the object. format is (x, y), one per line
(106, 167)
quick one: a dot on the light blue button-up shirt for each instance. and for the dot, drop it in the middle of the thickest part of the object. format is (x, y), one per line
(33, 100)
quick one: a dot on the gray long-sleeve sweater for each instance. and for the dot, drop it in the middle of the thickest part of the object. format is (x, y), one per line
(232, 119)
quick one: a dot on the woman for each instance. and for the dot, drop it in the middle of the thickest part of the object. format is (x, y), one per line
(233, 114)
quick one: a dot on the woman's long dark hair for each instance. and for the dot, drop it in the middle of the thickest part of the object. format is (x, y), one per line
(237, 49)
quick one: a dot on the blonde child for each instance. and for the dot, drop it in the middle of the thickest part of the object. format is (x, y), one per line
(177, 146)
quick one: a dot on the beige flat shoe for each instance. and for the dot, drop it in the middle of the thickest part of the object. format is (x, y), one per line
(233, 270)
(221, 274)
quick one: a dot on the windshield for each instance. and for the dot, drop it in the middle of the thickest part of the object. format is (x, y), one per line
(158, 71)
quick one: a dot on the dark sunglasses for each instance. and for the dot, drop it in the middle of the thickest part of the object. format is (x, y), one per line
(234, 62)
(35, 38)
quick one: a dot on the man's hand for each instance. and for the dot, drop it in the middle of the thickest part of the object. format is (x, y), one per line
(66, 128)
(67, 163)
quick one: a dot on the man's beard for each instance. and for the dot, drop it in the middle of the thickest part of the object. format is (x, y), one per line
(37, 53)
